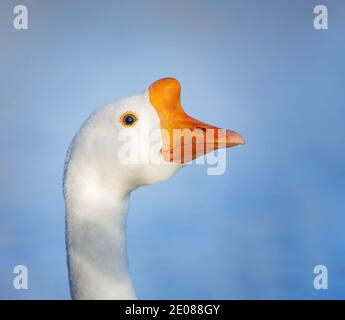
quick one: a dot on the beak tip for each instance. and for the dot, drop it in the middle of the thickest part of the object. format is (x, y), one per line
(234, 139)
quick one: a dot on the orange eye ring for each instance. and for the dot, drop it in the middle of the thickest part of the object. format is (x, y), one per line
(129, 119)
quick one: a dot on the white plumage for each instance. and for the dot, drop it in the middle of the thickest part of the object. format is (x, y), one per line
(97, 185)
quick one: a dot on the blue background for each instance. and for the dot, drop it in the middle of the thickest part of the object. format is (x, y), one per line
(259, 68)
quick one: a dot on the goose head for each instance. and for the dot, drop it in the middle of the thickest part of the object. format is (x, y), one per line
(132, 142)
(145, 138)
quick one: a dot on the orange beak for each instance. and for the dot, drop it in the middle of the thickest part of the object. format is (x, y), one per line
(185, 138)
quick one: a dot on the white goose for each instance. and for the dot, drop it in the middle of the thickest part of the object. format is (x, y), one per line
(97, 183)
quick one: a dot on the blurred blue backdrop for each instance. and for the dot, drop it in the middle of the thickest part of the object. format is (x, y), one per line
(261, 69)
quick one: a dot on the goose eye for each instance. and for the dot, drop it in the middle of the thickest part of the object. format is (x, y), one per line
(129, 119)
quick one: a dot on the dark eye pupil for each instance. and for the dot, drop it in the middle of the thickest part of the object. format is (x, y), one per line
(129, 119)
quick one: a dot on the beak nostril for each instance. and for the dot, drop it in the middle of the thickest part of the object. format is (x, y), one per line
(201, 128)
